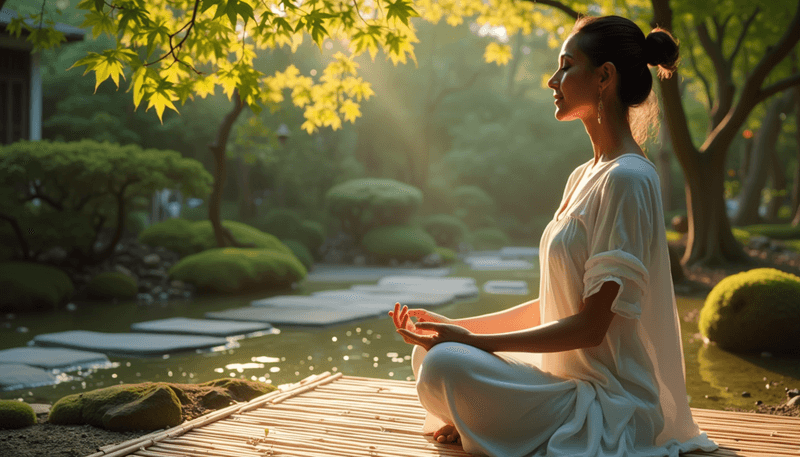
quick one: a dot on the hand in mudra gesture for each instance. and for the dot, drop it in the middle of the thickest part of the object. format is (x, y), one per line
(430, 328)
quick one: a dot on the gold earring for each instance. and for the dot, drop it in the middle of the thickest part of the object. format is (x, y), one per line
(600, 111)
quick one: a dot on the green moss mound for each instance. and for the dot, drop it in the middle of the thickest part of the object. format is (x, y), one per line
(243, 233)
(231, 270)
(28, 286)
(774, 231)
(757, 310)
(399, 242)
(152, 405)
(177, 235)
(448, 231)
(146, 406)
(301, 252)
(16, 414)
(489, 238)
(447, 255)
(110, 285)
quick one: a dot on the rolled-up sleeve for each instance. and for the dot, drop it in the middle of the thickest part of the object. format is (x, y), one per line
(619, 241)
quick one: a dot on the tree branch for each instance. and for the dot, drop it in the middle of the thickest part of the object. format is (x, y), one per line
(559, 6)
(452, 90)
(20, 234)
(712, 48)
(779, 86)
(742, 34)
(699, 73)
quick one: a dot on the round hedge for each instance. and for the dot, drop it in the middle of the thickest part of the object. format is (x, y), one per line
(281, 222)
(16, 414)
(312, 234)
(29, 286)
(230, 270)
(243, 233)
(489, 238)
(177, 235)
(301, 252)
(757, 310)
(112, 284)
(399, 242)
(447, 230)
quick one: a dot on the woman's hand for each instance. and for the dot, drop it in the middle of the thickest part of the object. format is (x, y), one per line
(435, 333)
(422, 315)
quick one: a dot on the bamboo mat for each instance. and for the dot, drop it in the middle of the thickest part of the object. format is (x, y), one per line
(346, 416)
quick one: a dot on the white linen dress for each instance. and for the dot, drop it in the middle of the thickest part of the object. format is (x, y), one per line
(625, 397)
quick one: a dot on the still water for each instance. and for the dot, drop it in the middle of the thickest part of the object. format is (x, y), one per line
(715, 378)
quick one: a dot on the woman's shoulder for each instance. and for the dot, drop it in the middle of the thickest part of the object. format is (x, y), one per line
(632, 170)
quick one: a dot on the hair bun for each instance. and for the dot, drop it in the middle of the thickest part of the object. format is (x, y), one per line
(661, 50)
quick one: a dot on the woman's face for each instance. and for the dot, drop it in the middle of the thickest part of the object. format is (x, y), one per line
(575, 84)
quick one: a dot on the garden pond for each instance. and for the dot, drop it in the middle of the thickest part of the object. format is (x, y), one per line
(716, 379)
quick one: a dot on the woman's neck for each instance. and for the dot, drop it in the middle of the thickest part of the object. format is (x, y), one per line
(611, 138)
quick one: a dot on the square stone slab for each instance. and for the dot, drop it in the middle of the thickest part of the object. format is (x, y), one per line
(319, 302)
(205, 327)
(54, 358)
(15, 376)
(485, 263)
(300, 316)
(346, 273)
(141, 344)
(460, 287)
(389, 297)
(506, 287)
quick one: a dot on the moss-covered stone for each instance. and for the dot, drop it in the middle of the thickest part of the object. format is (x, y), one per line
(16, 414)
(757, 310)
(112, 284)
(29, 286)
(489, 238)
(399, 242)
(151, 406)
(146, 406)
(230, 270)
(301, 252)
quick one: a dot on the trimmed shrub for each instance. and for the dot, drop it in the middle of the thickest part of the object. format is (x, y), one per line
(243, 233)
(448, 231)
(489, 238)
(301, 252)
(229, 270)
(474, 206)
(177, 235)
(16, 414)
(29, 286)
(280, 222)
(447, 255)
(146, 406)
(399, 242)
(112, 284)
(312, 234)
(757, 310)
(363, 204)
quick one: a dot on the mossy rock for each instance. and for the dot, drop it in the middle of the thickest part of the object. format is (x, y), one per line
(447, 230)
(112, 284)
(29, 286)
(232, 270)
(301, 252)
(757, 310)
(16, 414)
(489, 238)
(146, 406)
(399, 242)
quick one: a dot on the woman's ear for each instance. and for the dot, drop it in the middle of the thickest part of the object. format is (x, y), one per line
(608, 74)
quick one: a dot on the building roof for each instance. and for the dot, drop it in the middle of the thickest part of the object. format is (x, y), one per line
(70, 32)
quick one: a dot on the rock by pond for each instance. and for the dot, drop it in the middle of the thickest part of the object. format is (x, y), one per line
(16, 414)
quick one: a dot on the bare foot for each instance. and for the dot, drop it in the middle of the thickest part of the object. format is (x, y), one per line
(447, 435)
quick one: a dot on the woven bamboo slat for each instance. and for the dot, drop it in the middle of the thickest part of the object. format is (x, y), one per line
(330, 415)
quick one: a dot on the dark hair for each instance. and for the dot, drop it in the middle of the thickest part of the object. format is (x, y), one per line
(620, 41)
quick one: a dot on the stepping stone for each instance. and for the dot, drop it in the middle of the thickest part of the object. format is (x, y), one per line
(15, 376)
(344, 273)
(519, 251)
(141, 344)
(388, 296)
(460, 287)
(206, 327)
(497, 264)
(319, 302)
(506, 287)
(54, 358)
(300, 316)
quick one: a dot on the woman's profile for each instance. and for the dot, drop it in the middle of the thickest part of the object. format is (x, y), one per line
(594, 366)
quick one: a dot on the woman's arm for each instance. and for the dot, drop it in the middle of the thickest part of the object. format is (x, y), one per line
(521, 317)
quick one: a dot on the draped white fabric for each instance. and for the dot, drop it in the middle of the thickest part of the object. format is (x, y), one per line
(625, 397)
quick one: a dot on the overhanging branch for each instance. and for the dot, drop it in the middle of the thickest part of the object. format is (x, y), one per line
(779, 86)
(742, 34)
(559, 6)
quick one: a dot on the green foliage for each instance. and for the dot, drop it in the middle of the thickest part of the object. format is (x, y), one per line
(29, 286)
(447, 230)
(741, 235)
(312, 235)
(447, 255)
(774, 231)
(280, 222)
(66, 194)
(488, 239)
(672, 235)
(242, 232)
(146, 406)
(231, 270)
(16, 414)
(363, 204)
(112, 284)
(187, 237)
(399, 242)
(301, 252)
(757, 310)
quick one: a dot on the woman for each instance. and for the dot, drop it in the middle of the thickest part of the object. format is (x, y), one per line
(610, 377)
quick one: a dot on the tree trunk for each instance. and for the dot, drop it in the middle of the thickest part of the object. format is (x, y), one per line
(759, 166)
(796, 183)
(778, 185)
(747, 154)
(222, 235)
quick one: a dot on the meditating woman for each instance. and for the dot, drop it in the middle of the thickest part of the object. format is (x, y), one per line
(594, 366)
